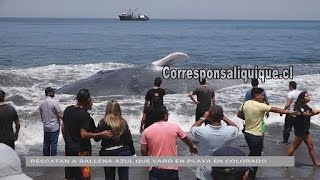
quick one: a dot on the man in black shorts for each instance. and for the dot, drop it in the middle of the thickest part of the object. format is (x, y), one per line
(205, 98)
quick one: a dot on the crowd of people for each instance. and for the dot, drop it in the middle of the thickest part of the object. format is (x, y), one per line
(212, 131)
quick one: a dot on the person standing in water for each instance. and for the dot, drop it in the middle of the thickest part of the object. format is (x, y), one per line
(288, 121)
(151, 114)
(205, 98)
(50, 113)
(156, 91)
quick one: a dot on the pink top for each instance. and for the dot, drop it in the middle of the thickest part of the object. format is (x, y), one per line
(161, 138)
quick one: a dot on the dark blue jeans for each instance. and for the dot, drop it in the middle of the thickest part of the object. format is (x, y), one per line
(163, 174)
(110, 172)
(255, 144)
(50, 143)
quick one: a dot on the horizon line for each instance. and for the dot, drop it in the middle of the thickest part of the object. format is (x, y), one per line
(218, 19)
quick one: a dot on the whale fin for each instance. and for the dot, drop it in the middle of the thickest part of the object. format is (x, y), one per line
(171, 59)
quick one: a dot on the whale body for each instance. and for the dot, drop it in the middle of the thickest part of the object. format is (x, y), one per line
(129, 81)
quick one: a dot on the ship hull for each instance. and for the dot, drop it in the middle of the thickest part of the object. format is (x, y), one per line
(129, 18)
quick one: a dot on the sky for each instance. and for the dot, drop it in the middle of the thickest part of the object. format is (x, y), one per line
(166, 9)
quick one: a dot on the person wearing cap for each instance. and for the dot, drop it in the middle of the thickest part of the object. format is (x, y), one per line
(212, 136)
(8, 116)
(10, 164)
(205, 98)
(50, 113)
(77, 129)
(229, 173)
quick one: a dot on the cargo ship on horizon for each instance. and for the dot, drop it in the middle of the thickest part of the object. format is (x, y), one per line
(131, 15)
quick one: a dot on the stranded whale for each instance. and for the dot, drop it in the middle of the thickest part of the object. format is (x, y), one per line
(130, 81)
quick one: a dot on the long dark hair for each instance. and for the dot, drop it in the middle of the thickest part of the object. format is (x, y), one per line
(300, 101)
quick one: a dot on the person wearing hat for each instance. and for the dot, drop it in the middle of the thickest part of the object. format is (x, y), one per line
(212, 136)
(10, 164)
(50, 113)
(8, 116)
(229, 173)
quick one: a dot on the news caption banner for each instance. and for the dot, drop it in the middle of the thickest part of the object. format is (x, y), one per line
(144, 161)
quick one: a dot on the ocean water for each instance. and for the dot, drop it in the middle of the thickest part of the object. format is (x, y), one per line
(40, 52)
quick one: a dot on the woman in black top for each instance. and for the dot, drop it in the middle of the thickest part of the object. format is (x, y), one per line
(302, 125)
(120, 145)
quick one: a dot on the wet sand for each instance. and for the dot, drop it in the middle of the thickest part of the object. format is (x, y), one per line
(303, 165)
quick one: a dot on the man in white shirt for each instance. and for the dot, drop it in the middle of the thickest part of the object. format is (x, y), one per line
(291, 99)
